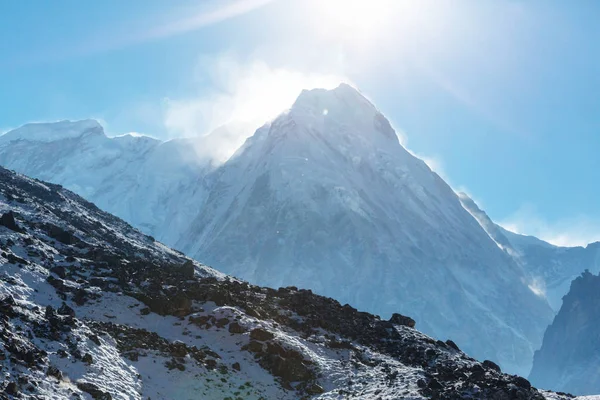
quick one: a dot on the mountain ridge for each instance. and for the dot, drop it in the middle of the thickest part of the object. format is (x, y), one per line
(325, 197)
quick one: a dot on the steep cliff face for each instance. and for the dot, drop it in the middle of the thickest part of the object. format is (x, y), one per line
(569, 359)
(549, 268)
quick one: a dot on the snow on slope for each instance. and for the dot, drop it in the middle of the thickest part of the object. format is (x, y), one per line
(323, 197)
(48, 132)
(550, 268)
(91, 308)
(149, 183)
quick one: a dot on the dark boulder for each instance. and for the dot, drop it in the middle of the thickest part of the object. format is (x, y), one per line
(63, 236)
(435, 385)
(60, 271)
(290, 369)
(178, 349)
(64, 309)
(188, 269)
(477, 373)
(491, 365)
(399, 319)
(261, 335)
(234, 327)
(6, 306)
(87, 358)
(254, 347)
(8, 220)
(221, 322)
(452, 345)
(80, 297)
(315, 389)
(55, 372)
(522, 382)
(93, 391)
(12, 389)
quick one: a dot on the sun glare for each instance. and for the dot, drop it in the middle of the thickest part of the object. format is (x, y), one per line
(352, 19)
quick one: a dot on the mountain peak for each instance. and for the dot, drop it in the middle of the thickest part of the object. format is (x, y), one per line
(51, 131)
(342, 110)
(342, 93)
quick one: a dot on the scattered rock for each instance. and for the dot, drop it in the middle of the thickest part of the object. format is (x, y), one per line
(64, 309)
(12, 389)
(188, 269)
(235, 327)
(253, 346)
(93, 391)
(399, 319)
(315, 389)
(290, 369)
(60, 271)
(221, 322)
(491, 365)
(435, 385)
(55, 372)
(522, 382)
(452, 345)
(261, 334)
(178, 349)
(132, 355)
(87, 358)
(63, 236)
(8, 220)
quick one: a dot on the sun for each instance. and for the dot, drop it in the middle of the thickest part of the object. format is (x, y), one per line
(357, 18)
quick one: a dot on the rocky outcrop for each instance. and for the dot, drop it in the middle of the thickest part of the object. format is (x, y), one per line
(569, 358)
(8, 220)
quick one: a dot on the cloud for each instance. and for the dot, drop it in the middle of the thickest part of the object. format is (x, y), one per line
(578, 230)
(242, 95)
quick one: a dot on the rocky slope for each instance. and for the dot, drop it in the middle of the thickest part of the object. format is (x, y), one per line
(324, 197)
(91, 308)
(569, 358)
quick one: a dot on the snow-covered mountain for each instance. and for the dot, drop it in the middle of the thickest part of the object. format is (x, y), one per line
(323, 197)
(143, 180)
(90, 308)
(569, 358)
(551, 268)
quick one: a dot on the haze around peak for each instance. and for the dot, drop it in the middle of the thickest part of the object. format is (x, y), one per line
(467, 90)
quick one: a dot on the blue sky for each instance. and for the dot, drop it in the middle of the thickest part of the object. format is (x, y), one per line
(501, 98)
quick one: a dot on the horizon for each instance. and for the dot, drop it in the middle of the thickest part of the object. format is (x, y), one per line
(460, 87)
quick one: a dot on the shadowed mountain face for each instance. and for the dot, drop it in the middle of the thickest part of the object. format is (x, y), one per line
(92, 308)
(323, 197)
(569, 358)
(550, 268)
